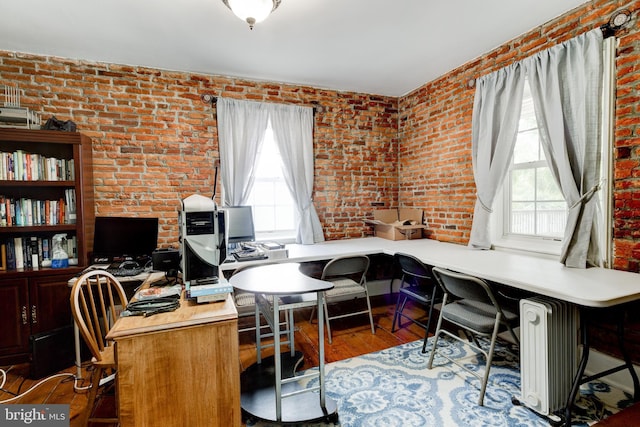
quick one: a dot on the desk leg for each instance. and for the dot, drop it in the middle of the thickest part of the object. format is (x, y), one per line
(76, 342)
(277, 360)
(321, 349)
(585, 324)
(258, 336)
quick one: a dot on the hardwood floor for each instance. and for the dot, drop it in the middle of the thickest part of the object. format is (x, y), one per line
(351, 337)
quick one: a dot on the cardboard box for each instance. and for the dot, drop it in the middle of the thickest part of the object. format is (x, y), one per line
(397, 224)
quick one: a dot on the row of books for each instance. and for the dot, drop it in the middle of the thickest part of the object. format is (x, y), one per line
(22, 166)
(26, 212)
(30, 252)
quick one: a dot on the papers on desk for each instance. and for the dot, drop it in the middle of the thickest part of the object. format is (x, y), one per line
(158, 292)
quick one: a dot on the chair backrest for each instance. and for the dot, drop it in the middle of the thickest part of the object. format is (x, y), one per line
(463, 286)
(95, 298)
(411, 266)
(350, 266)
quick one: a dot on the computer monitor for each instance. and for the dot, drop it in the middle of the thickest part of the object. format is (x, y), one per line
(239, 224)
(117, 237)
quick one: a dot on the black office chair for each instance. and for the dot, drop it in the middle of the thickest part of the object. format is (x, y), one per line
(416, 285)
(470, 304)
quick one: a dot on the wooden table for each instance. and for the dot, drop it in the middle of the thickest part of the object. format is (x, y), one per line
(179, 368)
(285, 401)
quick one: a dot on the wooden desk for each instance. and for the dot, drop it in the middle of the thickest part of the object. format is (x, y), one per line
(179, 368)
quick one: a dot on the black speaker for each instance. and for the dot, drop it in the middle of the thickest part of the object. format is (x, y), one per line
(165, 259)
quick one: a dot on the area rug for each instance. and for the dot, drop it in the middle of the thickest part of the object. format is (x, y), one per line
(393, 387)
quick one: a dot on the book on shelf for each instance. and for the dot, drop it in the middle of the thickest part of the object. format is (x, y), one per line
(3, 257)
(23, 166)
(11, 256)
(19, 253)
(30, 251)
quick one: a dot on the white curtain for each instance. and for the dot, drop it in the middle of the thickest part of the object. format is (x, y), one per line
(241, 129)
(566, 86)
(293, 133)
(496, 113)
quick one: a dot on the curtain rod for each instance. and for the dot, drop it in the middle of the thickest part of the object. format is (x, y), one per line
(617, 20)
(208, 98)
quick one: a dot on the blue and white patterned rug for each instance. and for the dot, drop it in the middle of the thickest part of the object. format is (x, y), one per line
(393, 387)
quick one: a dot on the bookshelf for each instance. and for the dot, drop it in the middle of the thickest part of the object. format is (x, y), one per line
(46, 188)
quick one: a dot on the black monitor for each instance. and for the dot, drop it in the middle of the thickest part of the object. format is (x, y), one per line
(239, 224)
(118, 237)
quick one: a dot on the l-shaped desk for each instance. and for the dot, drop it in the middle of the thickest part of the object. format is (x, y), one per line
(589, 289)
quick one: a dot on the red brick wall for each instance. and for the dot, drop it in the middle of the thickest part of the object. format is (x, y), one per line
(155, 141)
(435, 132)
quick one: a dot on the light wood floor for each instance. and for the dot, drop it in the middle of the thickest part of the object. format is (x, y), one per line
(351, 337)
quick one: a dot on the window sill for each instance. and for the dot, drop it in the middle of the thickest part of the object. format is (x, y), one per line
(534, 247)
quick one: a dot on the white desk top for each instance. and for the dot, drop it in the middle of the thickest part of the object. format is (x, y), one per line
(278, 279)
(592, 287)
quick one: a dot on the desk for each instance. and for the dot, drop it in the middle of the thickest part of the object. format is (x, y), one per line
(179, 368)
(294, 288)
(589, 289)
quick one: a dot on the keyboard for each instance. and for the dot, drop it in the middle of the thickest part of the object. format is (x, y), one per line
(125, 272)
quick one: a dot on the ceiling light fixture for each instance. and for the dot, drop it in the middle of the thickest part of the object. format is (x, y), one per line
(252, 11)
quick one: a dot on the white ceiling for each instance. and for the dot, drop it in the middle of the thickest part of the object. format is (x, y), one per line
(384, 47)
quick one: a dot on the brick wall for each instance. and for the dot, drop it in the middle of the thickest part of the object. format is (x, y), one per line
(434, 129)
(155, 141)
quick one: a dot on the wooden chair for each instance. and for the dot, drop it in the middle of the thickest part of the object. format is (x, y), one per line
(96, 299)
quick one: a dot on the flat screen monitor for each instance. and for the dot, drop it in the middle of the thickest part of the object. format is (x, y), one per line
(239, 224)
(117, 237)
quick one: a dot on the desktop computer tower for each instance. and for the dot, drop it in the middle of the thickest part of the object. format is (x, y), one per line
(201, 238)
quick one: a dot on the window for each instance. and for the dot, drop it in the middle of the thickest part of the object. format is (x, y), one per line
(274, 212)
(530, 212)
(534, 203)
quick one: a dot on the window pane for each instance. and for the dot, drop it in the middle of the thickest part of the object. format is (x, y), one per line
(273, 206)
(282, 196)
(527, 148)
(523, 184)
(263, 218)
(523, 217)
(284, 218)
(551, 218)
(547, 187)
(262, 193)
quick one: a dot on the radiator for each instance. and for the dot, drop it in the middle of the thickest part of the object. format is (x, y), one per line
(548, 352)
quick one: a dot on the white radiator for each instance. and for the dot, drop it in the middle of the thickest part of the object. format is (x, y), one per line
(548, 352)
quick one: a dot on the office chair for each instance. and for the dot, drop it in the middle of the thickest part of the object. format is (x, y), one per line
(96, 299)
(348, 275)
(416, 285)
(470, 304)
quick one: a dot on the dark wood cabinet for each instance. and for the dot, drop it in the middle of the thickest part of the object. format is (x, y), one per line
(14, 299)
(34, 299)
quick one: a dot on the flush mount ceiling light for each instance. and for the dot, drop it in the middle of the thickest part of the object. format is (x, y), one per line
(252, 11)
